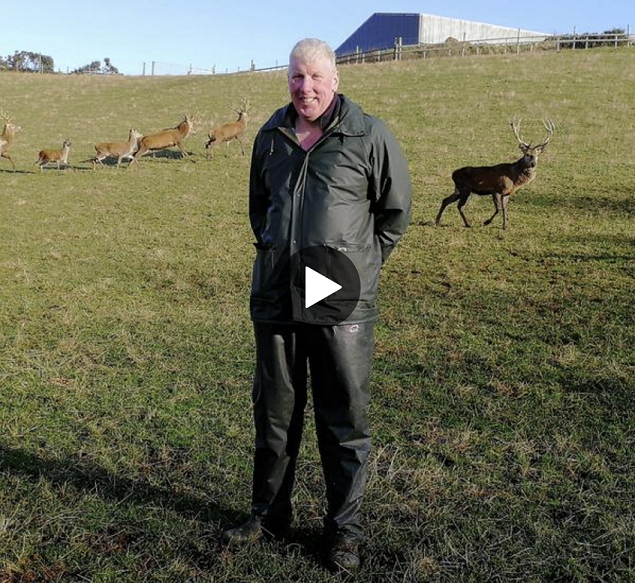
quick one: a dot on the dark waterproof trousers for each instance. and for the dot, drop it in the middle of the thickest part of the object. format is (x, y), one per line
(339, 359)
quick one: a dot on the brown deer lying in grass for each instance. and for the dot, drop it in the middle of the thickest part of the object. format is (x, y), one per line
(57, 157)
(166, 139)
(121, 150)
(8, 133)
(501, 181)
(230, 131)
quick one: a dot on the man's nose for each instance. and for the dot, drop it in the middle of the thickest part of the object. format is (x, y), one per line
(306, 84)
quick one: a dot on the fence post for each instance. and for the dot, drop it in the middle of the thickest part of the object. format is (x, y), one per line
(153, 63)
(398, 41)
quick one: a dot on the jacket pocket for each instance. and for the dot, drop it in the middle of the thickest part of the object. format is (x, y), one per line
(366, 260)
(262, 276)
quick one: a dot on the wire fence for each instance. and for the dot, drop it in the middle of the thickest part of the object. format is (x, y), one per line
(509, 45)
(451, 48)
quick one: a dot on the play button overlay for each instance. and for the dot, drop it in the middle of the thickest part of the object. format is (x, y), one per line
(317, 287)
(325, 285)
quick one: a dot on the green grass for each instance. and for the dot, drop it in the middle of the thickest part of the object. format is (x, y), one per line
(504, 385)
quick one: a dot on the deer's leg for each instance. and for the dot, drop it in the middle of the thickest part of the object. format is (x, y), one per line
(462, 202)
(5, 155)
(184, 152)
(505, 200)
(496, 197)
(140, 152)
(446, 201)
(242, 146)
(180, 147)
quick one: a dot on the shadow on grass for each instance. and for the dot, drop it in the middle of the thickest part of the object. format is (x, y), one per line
(605, 247)
(94, 479)
(621, 202)
(165, 154)
(110, 487)
(10, 171)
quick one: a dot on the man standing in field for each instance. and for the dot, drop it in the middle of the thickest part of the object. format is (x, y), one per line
(329, 194)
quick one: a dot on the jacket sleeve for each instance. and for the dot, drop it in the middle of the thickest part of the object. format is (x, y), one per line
(391, 189)
(258, 198)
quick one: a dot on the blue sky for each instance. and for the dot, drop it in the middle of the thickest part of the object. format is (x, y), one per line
(229, 35)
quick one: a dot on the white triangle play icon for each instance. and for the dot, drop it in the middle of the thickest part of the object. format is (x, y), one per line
(317, 287)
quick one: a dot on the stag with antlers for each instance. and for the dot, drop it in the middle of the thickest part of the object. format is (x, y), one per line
(500, 181)
(230, 131)
(10, 129)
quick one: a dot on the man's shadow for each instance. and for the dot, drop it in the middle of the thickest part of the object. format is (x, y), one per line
(93, 478)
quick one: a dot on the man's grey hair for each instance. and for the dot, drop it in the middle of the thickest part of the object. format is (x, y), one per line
(310, 49)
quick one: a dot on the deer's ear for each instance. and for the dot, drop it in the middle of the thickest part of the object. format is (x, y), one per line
(539, 149)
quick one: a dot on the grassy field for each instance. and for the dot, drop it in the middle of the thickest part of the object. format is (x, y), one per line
(504, 383)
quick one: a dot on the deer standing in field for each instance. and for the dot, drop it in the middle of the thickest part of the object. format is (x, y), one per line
(8, 133)
(501, 181)
(57, 157)
(121, 150)
(230, 131)
(166, 139)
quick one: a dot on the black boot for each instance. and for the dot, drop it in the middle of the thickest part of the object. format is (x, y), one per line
(254, 529)
(246, 533)
(343, 554)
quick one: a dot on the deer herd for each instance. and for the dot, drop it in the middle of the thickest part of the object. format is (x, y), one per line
(136, 145)
(499, 181)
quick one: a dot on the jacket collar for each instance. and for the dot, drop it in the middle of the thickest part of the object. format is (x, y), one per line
(349, 121)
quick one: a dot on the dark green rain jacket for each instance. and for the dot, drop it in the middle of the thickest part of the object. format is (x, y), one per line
(350, 192)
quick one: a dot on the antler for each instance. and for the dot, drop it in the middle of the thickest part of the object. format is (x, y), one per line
(515, 123)
(243, 107)
(197, 120)
(5, 116)
(550, 127)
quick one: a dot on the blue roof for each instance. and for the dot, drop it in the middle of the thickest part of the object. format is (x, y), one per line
(380, 31)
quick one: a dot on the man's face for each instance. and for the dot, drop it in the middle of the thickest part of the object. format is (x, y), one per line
(312, 86)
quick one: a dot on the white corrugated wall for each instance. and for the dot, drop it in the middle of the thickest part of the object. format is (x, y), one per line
(436, 29)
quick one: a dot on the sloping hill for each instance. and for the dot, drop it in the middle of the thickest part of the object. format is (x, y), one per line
(503, 385)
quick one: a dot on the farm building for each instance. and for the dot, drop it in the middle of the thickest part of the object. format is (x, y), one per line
(381, 30)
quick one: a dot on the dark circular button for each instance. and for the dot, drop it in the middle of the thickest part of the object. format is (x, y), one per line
(325, 285)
